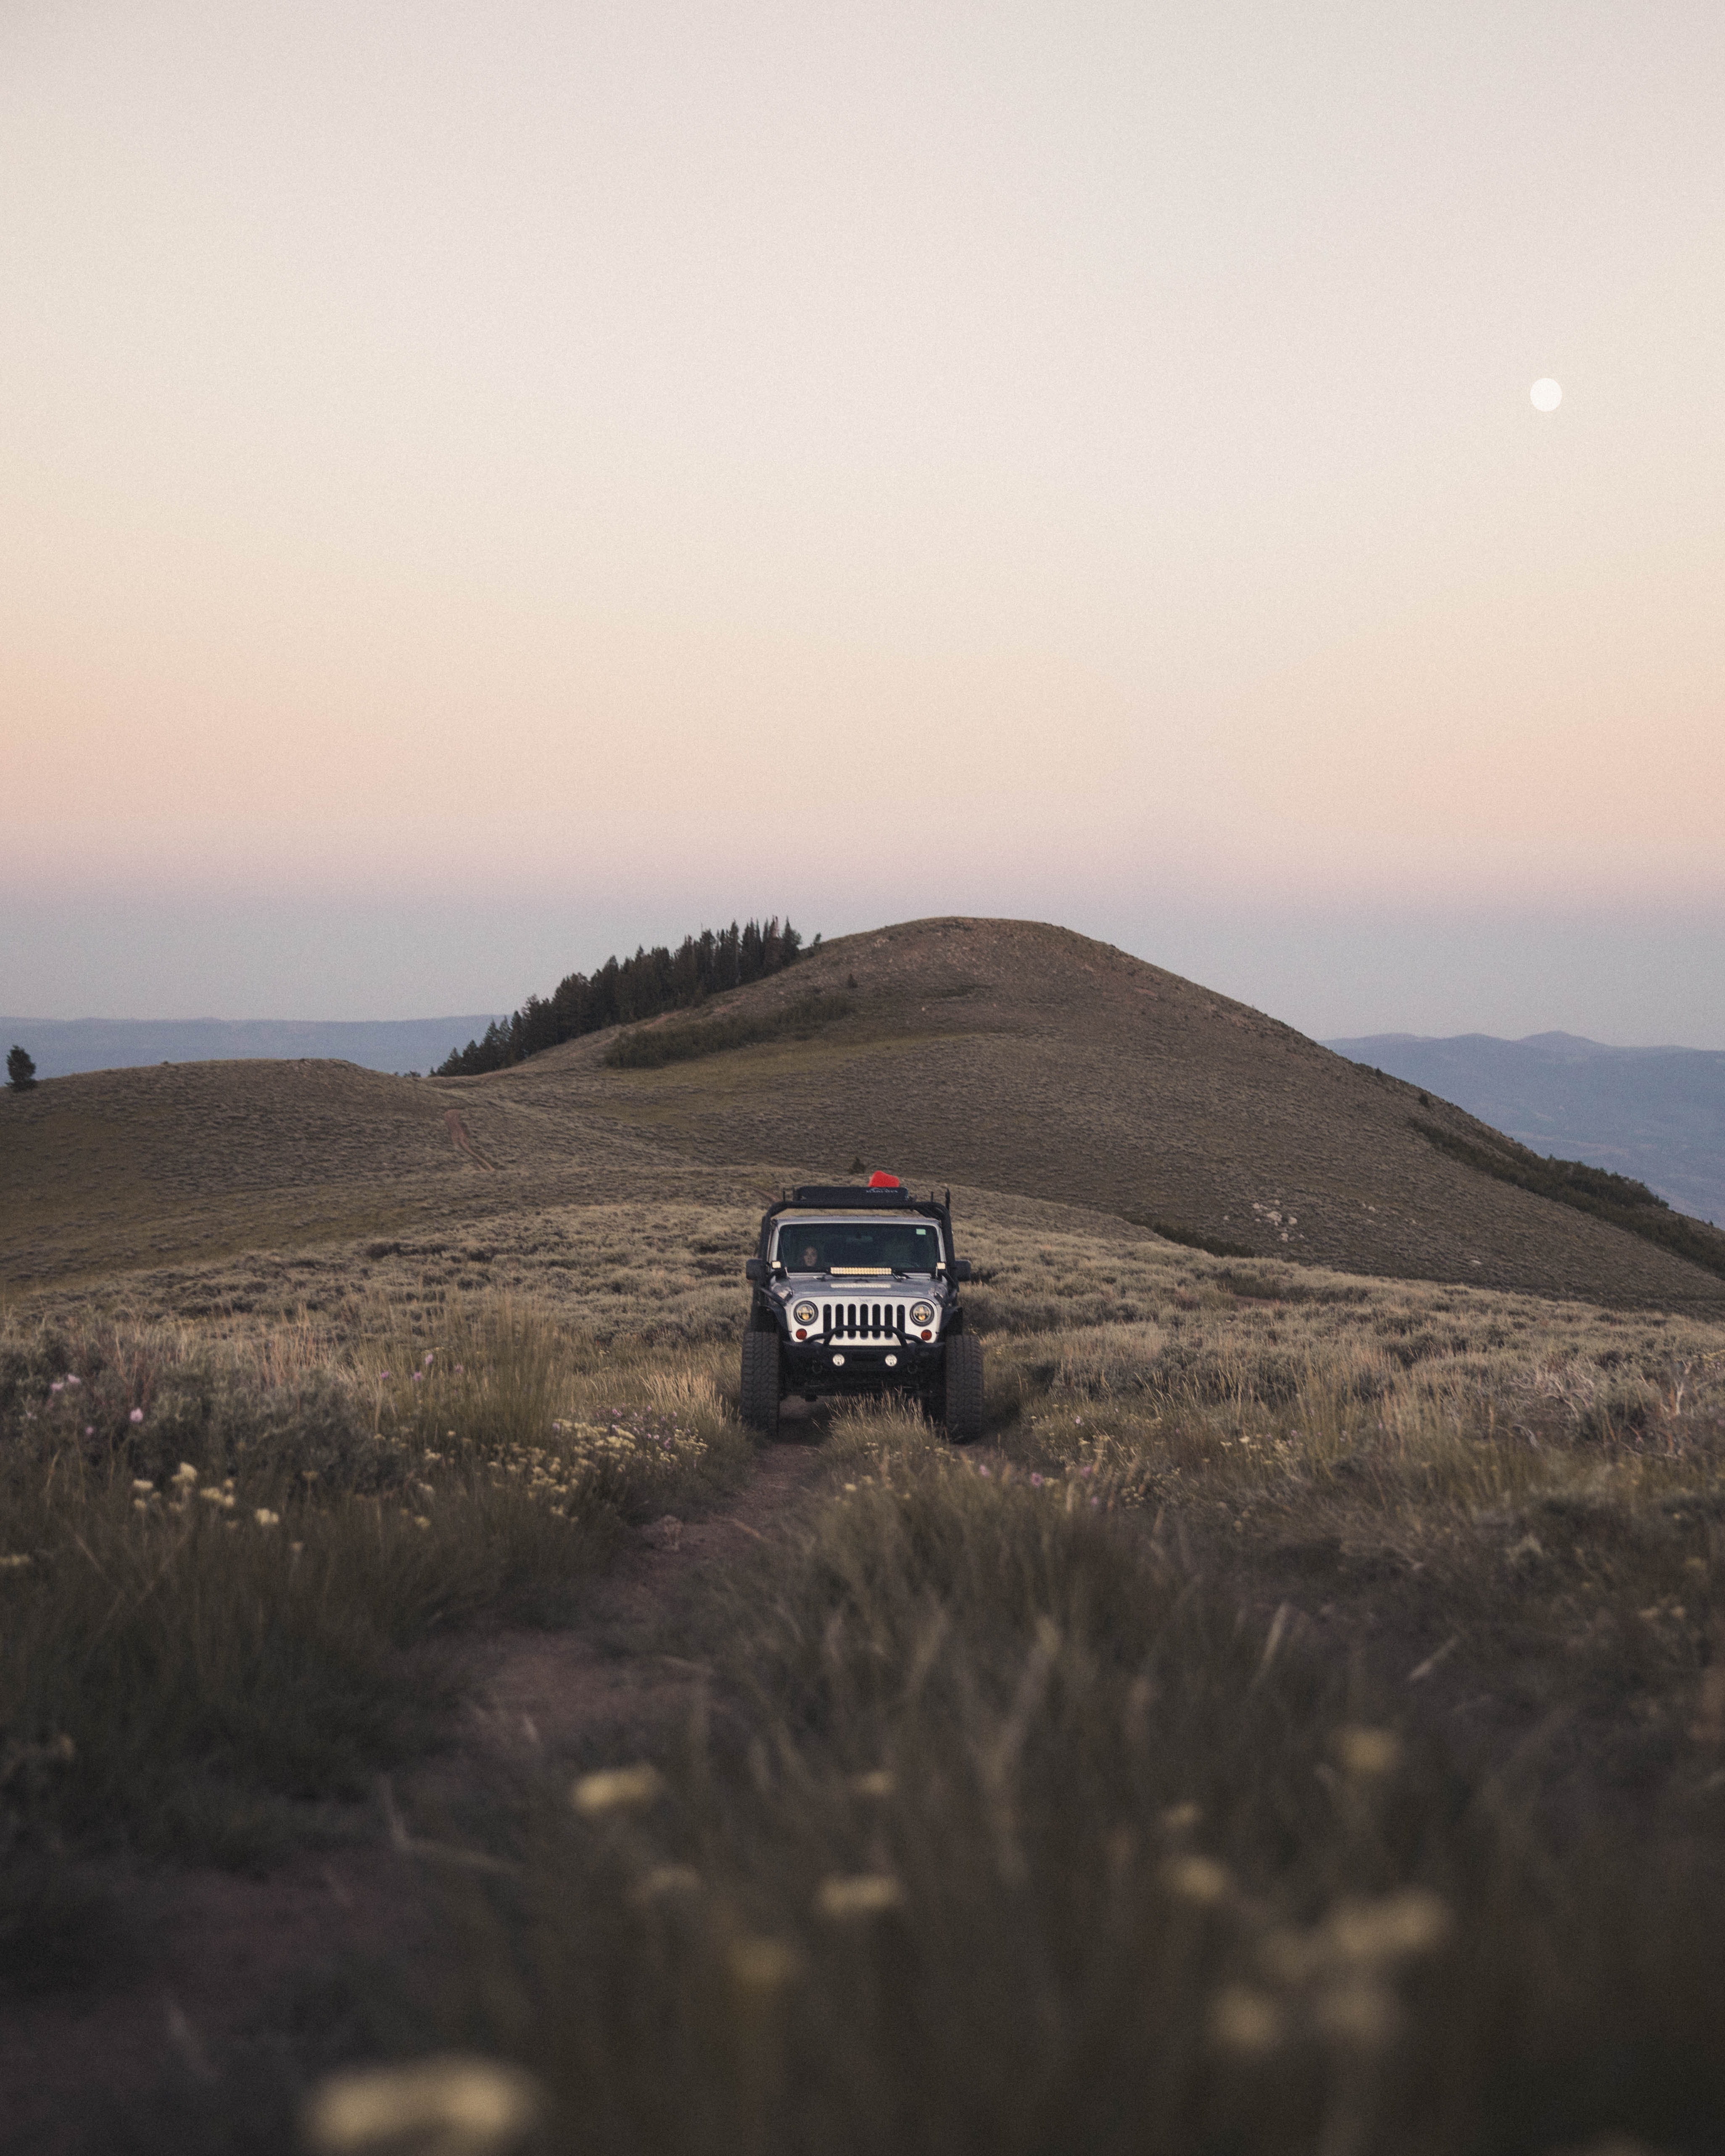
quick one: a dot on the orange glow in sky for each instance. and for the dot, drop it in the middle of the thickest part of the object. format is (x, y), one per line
(588, 451)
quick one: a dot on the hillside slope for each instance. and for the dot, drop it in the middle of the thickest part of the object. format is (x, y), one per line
(113, 1170)
(1021, 1057)
(1655, 1113)
(1003, 1055)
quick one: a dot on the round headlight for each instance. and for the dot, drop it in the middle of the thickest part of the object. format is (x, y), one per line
(921, 1314)
(805, 1313)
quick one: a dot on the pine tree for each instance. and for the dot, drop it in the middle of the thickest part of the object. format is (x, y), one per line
(20, 1071)
(625, 990)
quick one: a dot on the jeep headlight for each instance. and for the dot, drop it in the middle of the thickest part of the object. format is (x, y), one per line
(805, 1313)
(921, 1314)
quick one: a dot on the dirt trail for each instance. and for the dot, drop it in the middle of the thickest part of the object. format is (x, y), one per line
(462, 1139)
(199, 2014)
(540, 1696)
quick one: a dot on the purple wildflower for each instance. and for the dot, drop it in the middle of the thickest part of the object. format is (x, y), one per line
(137, 1415)
(1035, 1481)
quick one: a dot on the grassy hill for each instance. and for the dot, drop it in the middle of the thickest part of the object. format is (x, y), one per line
(1006, 1056)
(1297, 1724)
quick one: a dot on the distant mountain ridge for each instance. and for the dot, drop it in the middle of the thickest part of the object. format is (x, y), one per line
(61, 1046)
(1658, 1114)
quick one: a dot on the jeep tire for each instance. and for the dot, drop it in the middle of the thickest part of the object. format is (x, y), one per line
(760, 1382)
(961, 1390)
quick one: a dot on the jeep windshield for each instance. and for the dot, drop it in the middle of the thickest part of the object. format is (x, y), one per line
(838, 1247)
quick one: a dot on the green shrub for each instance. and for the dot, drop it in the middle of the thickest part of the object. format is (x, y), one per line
(647, 1048)
(1188, 1238)
(1618, 1199)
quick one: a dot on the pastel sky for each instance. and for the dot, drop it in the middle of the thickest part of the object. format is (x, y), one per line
(480, 486)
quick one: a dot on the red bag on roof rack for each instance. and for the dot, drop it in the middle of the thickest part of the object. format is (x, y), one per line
(880, 1180)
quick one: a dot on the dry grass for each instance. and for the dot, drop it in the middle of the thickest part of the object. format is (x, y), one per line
(1010, 1827)
(213, 1557)
(112, 1173)
(1297, 1727)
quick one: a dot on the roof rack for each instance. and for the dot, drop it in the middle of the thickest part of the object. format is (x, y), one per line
(839, 1193)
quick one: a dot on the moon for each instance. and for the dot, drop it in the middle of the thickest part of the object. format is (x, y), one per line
(1547, 394)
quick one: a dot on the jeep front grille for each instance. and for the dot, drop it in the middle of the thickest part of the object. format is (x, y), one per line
(862, 1320)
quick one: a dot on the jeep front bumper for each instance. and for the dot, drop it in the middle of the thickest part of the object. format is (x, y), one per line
(859, 1366)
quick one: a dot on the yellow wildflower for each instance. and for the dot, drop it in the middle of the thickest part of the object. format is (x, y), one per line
(1368, 1754)
(615, 1789)
(665, 1879)
(1246, 2021)
(845, 1897)
(454, 2105)
(1198, 1879)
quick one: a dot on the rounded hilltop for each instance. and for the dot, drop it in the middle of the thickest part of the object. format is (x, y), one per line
(1021, 1056)
(1012, 1056)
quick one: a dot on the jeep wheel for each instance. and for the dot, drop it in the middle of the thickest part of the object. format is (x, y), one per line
(760, 1382)
(962, 1408)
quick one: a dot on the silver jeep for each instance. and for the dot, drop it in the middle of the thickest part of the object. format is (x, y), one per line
(855, 1290)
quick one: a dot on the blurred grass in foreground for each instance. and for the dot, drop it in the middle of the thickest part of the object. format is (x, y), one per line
(213, 1566)
(1002, 1830)
(1301, 1726)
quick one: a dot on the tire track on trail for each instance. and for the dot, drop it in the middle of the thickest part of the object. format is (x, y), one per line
(462, 1139)
(534, 1699)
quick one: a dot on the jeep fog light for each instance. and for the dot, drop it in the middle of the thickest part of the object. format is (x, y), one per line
(892, 1362)
(805, 1313)
(921, 1313)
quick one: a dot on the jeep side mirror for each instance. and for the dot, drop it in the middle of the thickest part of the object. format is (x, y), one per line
(960, 1269)
(754, 1271)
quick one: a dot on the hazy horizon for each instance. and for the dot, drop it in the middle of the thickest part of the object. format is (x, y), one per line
(488, 488)
(1317, 974)
(476, 1022)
